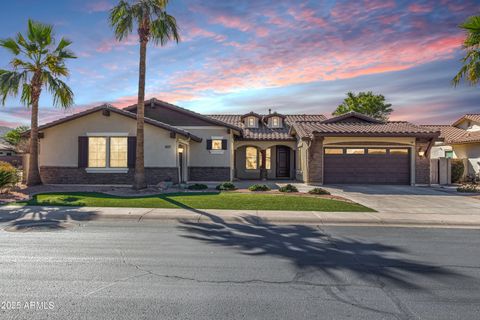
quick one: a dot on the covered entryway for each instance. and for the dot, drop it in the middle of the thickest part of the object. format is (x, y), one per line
(283, 162)
(367, 165)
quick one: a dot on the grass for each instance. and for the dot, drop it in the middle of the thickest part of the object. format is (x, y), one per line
(204, 200)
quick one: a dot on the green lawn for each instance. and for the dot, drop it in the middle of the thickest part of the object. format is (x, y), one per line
(207, 200)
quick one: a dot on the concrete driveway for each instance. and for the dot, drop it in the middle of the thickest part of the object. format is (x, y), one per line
(407, 199)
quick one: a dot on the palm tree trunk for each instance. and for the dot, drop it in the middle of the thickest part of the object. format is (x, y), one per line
(139, 182)
(33, 177)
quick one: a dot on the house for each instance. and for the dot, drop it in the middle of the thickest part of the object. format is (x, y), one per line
(97, 146)
(461, 140)
(6, 149)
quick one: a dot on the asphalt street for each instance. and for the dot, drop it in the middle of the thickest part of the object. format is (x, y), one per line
(227, 270)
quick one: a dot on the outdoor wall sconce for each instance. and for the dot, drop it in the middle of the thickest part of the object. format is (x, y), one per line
(421, 153)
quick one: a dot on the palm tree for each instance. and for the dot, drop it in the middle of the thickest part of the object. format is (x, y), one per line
(153, 23)
(471, 61)
(37, 63)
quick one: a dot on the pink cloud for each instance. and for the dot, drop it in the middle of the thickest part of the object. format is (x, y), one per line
(111, 44)
(196, 32)
(99, 6)
(307, 15)
(419, 8)
(371, 5)
(237, 23)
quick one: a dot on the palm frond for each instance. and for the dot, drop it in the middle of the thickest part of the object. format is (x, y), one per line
(121, 19)
(39, 33)
(61, 92)
(165, 29)
(10, 82)
(11, 45)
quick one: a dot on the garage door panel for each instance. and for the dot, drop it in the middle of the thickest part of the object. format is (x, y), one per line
(367, 168)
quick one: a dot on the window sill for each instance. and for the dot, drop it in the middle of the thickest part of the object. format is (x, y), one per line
(217, 151)
(106, 170)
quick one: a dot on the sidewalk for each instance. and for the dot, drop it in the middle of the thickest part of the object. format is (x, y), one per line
(23, 215)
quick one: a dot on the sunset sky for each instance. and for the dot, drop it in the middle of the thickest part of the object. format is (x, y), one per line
(243, 55)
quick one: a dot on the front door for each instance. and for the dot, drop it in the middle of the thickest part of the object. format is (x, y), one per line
(283, 162)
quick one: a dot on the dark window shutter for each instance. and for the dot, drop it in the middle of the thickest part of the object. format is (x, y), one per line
(82, 152)
(209, 144)
(224, 144)
(132, 151)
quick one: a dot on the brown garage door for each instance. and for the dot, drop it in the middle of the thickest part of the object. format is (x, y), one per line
(366, 165)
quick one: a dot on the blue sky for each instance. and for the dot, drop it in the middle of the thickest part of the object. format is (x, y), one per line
(240, 55)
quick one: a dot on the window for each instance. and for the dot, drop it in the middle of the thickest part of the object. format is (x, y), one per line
(333, 151)
(97, 152)
(118, 152)
(268, 159)
(399, 151)
(251, 122)
(9, 153)
(217, 144)
(377, 151)
(251, 158)
(449, 154)
(355, 151)
(107, 150)
(275, 122)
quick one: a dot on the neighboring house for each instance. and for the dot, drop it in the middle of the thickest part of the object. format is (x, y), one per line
(6, 149)
(461, 140)
(97, 146)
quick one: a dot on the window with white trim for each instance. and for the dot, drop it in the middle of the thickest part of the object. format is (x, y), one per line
(251, 122)
(216, 144)
(107, 152)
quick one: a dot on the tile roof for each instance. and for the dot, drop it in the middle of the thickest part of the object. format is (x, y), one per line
(6, 146)
(453, 135)
(306, 129)
(471, 116)
(265, 133)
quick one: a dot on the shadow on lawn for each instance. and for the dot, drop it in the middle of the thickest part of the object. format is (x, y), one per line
(43, 218)
(311, 249)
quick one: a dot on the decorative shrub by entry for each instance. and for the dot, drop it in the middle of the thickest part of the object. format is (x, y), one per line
(469, 188)
(259, 187)
(226, 186)
(288, 188)
(457, 170)
(318, 191)
(197, 186)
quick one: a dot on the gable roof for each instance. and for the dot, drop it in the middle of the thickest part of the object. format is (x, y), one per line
(120, 112)
(307, 129)
(353, 115)
(170, 106)
(263, 132)
(274, 114)
(454, 135)
(251, 114)
(472, 117)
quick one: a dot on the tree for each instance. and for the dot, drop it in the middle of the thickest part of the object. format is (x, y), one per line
(368, 103)
(471, 62)
(37, 64)
(15, 137)
(153, 23)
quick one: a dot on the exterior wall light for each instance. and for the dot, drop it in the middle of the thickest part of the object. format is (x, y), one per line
(421, 153)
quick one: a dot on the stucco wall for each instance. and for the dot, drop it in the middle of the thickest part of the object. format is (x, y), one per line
(438, 151)
(59, 147)
(474, 126)
(470, 151)
(200, 156)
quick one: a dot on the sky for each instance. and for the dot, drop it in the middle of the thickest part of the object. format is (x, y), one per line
(238, 56)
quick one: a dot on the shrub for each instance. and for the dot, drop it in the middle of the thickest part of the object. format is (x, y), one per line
(197, 186)
(226, 186)
(288, 188)
(468, 188)
(318, 191)
(457, 170)
(259, 187)
(8, 176)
